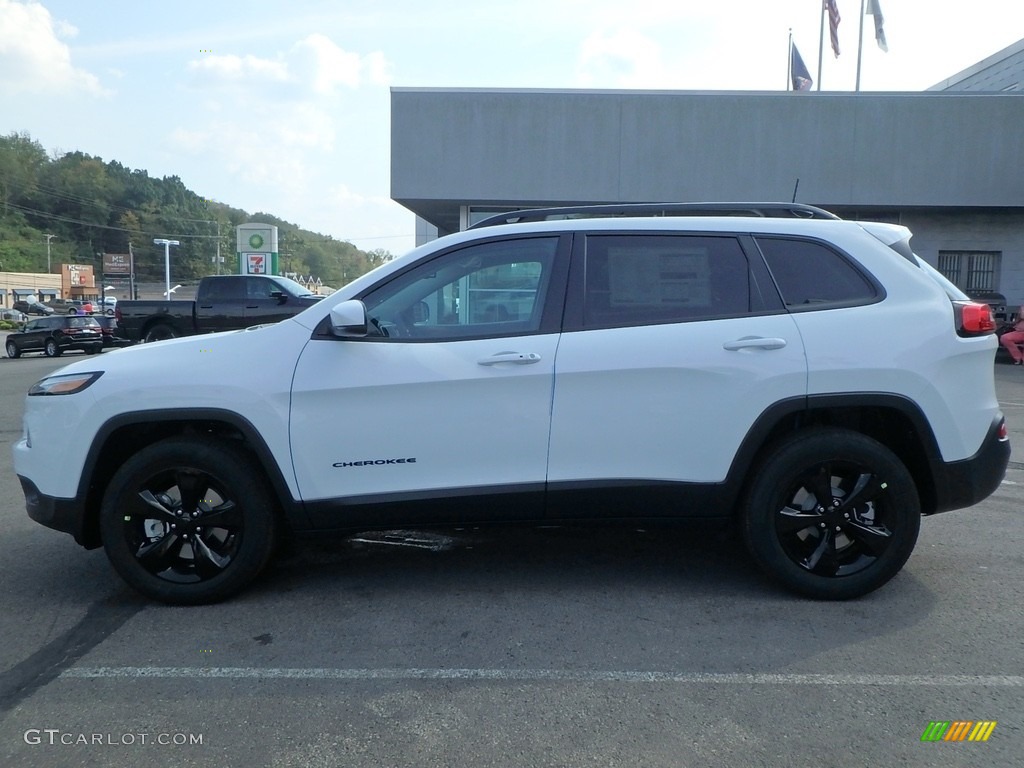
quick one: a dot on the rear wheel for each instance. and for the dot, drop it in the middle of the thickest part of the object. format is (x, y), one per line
(831, 514)
(12, 350)
(159, 332)
(52, 349)
(186, 522)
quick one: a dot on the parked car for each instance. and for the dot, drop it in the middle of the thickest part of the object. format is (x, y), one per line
(65, 306)
(223, 303)
(107, 304)
(55, 335)
(13, 315)
(32, 308)
(108, 326)
(760, 365)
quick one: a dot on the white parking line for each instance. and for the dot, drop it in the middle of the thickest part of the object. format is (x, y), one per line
(551, 675)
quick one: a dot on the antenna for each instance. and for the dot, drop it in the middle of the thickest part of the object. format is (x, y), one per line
(795, 188)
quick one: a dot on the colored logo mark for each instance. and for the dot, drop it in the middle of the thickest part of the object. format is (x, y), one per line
(206, 50)
(958, 730)
(256, 241)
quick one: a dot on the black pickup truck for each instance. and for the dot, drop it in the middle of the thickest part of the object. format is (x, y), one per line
(223, 303)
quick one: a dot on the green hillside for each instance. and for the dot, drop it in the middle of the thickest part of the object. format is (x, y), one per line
(93, 207)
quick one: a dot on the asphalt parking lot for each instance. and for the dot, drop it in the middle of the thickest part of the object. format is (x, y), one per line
(550, 647)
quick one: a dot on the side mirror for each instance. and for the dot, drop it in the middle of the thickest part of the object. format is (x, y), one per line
(349, 319)
(281, 296)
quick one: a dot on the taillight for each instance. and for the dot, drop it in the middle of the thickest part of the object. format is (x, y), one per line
(973, 318)
(117, 314)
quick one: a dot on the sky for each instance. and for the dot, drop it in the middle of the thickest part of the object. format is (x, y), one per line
(283, 106)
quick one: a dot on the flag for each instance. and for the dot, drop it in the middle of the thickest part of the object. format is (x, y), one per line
(873, 9)
(798, 71)
(833, 24)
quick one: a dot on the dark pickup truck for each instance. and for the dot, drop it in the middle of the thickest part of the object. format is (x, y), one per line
(223, 303)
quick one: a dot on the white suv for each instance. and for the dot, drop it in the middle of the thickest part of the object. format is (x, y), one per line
(808, 379)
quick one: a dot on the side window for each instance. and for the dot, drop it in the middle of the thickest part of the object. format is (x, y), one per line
(645, 279)
(223, 289)
(490, 289)
(260, 288)
(810, 274)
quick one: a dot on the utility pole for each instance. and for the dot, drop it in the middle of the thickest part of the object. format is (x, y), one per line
(132, 293)
(48, 239)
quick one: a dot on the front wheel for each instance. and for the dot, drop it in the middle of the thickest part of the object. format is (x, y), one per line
(185, 522)
(12, 350)
(831, 514)
(52, 349)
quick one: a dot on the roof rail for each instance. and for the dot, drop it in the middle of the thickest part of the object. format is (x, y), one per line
(764, 210)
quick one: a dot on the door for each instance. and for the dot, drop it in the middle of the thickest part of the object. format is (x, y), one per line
(263, 307)
(220, 306)
(446, 401)
(673, 347)
(34, 336)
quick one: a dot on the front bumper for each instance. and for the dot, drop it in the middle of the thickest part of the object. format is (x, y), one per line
(64, 515)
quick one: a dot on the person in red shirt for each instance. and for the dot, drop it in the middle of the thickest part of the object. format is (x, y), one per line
(87, 307)
(1013, 338)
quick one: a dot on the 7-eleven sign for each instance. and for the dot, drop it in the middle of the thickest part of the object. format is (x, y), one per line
(256, 263)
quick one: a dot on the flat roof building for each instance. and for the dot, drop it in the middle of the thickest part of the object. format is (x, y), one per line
(949, 164)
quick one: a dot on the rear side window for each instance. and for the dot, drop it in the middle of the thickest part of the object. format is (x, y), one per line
(647, 279)
(810, 274)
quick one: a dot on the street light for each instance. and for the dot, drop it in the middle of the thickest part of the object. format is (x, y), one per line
(48, 239)
(167, 261)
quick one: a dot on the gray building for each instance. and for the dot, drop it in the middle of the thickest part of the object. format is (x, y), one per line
(949, 164)
(1000, 72)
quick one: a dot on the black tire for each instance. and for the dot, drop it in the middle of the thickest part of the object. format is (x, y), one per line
(831, 514)
(12, 349)
(159, 332)
(52, 349)
(72, 311)
(180, 493)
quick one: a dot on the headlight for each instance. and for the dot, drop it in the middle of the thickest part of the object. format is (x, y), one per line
(67, 384)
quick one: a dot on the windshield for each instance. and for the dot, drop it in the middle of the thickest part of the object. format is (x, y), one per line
(291, 287)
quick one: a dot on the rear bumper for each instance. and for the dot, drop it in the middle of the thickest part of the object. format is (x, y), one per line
(964, 483)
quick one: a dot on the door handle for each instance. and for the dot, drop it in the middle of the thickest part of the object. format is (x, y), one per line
(518, 358)
(754, 342)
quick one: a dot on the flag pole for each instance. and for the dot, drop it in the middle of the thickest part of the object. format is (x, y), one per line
(860, 43)
(821, 42)
(789, 61)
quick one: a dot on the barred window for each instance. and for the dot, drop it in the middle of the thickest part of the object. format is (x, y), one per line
(971, 270)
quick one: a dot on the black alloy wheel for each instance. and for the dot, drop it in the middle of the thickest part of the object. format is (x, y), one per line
(160, 332)
(831, 514)
(51, 348)
(188, 522)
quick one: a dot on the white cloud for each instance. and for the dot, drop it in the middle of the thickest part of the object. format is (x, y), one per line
(231, 69)
(625, 58)
(314, 65)
(33, 58)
